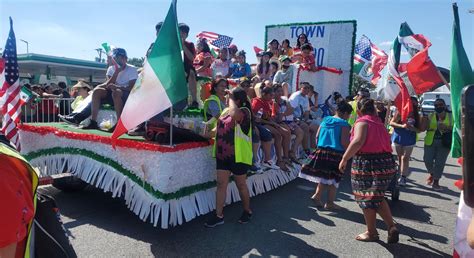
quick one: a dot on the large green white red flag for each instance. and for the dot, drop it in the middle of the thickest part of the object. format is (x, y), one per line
(396, 89)
(461, 75)
(162, 82)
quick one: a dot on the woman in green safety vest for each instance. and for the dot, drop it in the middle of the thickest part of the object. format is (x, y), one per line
(18, 183)
(233, 152)
(439, 127)
(214, 105)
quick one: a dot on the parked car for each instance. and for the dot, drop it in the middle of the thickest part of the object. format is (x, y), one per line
(428, 99)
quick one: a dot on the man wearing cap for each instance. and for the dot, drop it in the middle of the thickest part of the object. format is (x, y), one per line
(361, 94)
(115, 90)
(285, 75)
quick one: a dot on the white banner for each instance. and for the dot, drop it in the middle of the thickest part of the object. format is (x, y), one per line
(333, 44)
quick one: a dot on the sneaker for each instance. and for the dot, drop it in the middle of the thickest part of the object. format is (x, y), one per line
(429, 181)
(270, 164)
(214, 221)
(402, 181)
(92, 126)
(69, 120)
(436, 188)
(256, 169)
(245, 218)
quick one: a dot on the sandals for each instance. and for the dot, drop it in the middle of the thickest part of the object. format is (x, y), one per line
(367, 237)
(393, 235)
(332, 207)
(283, 166)
(317, 202)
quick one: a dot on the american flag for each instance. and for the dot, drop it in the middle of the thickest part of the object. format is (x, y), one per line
(217, 41)
(368, 53)
(10, 91)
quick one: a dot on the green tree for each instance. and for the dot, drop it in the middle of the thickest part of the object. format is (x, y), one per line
(358, 82)
(135, 61)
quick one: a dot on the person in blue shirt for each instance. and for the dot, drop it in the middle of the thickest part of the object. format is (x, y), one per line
(323, 166)
(241, 68)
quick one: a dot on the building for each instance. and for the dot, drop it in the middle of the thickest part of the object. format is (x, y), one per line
(37, 68)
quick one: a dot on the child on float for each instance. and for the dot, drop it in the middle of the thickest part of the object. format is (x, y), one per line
(323, 167)
(283, 113)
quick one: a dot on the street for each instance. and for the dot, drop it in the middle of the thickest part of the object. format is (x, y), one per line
(285, 223)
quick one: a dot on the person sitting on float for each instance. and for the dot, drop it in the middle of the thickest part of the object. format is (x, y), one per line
(274, 48)
(264, 70)
(81, 90)
(241, 68)
(307, 62)
(285, 48)
(203, 59)
(284, 76)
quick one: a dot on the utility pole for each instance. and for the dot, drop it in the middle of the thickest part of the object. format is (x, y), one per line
(26, 42)
(99, 52)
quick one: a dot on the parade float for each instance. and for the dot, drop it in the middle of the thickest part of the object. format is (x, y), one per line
(165, 185)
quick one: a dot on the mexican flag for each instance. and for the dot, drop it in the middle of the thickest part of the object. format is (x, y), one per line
(25, 95)
(162, 82)
(461, 75)
(422, 74)
(395, 84)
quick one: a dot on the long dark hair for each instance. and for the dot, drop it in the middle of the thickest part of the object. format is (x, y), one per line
(261, 64)
(298, 44)
(416, 116)
(240, 94)
(204, 46)
(366, 106)
(287, 42)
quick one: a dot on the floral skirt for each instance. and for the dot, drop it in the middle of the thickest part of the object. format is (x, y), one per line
(371, 176)
(323, 167)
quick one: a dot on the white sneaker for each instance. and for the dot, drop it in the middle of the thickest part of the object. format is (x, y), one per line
(270, 164)
(402, 181)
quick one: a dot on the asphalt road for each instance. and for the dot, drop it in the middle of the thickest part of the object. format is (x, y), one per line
(285, 223)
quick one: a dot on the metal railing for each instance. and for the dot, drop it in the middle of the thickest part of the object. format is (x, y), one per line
(45, 110)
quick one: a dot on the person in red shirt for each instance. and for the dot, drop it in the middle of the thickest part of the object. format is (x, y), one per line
(307, 63)
(264, 115)
(16, 199)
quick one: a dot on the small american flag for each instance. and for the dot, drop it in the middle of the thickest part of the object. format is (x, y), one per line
(10, 91)
(217, 40)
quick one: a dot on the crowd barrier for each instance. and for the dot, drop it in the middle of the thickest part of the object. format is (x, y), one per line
(46, 110)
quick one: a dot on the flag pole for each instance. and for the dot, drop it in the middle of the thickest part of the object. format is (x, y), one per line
(444, 79)
(171, 126)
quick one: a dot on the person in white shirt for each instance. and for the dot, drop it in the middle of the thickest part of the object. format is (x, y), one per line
(116, 89)
(300, 103)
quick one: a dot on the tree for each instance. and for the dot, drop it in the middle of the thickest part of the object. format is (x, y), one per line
(138, 62)
(358, 82)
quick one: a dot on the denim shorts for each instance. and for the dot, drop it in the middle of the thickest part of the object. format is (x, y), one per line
(265, 134)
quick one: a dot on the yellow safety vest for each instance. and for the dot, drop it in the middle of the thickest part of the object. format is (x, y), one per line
(206, 107)
(353, 116)
(34, 183)
(433, 125)
(242, 143)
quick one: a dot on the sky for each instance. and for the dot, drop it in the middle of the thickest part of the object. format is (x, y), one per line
(75, 28)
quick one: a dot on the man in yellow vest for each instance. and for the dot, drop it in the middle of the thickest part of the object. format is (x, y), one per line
(439, 127)
(18, 183)
(361, 94)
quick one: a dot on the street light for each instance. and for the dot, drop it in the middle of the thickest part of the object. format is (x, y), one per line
(26, 42)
